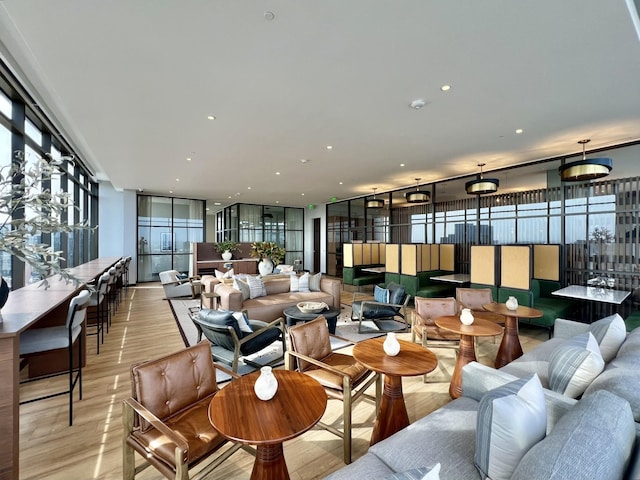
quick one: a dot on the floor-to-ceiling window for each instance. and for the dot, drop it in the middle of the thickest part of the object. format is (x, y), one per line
(166, 229)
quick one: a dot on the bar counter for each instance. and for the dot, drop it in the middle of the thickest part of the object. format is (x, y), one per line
(26, 307)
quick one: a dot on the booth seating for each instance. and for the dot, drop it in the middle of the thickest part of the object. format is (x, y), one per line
(421, 285)
(355, 276)
(539, 297)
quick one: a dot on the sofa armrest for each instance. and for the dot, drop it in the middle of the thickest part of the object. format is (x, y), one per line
(331, 286)
(564, 328)
(230, 298)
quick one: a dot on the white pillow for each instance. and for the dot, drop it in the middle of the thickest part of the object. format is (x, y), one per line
(228, 274)
(609, 332)
(243, 286)
(314, 282)
(511, 419)
(294, 283)
(243, 322)
(256, 287)
(574, 364)
(303, 282)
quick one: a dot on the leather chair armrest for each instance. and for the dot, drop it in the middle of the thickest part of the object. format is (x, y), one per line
(173, 436)
(317, 363)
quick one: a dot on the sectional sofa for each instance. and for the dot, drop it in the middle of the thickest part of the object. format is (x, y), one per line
(593, 436)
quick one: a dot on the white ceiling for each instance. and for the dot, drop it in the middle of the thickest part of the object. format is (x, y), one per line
(133, 81)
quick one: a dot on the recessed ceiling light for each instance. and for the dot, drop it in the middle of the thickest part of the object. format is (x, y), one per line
(229, 196)
(302, 194)
(277, 201)
(303, 160)
(340, 183)
(248, 188)
(188, 159)
(329, 147)
(402, 164)
(445, 88)
(170, 191)
(211, 117)
(277, 173)
(418, 104)
(207, 209)
(217, 203)
(177, 179)
(519, 130)
(269, 15)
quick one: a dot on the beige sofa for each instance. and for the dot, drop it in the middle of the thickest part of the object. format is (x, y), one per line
(279, 297)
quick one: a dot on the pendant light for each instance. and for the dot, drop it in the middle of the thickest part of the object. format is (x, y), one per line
(417, 196)
(481, 185)
(375, 202)
(586, 168)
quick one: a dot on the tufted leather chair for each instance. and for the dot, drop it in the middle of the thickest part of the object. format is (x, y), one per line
(341, 376)
(166, 419)
(475, 298)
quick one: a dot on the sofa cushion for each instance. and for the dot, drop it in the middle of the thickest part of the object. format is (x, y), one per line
(511, 419)
(535, 361)
(609, 332)
(368, 466)
(300, 284)
(314, 282)
(424, 473)
(256, 287)
(574, 364)
(445, 436)
(631, 343)
(592, 440)
(243, 287)
(220, 275)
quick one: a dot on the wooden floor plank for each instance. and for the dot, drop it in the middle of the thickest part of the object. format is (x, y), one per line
(143, 328)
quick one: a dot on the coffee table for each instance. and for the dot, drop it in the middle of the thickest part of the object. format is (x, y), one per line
(294, 315)
(239, 415)
(510, 347)
(481, 327)
(412, 360)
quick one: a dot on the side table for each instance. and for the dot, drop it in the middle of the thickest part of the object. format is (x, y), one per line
(294, 315)
(297, 406)
(479, 328)
(412, 360)
(209, 300)
(510, 347)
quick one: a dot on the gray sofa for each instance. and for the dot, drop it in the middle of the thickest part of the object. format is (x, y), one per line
(593, 437)
(270, 307)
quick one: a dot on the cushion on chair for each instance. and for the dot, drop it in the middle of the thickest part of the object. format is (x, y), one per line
(263, 340)
(574, 364)
(511, 419)
(397, 293)
(381, 294)
(219, 318)
(372, 310)
(339, 361)
(609, 332)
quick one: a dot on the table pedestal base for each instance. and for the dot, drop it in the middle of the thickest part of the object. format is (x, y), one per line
(270, 464)
(392, 416)
(467, 354)
(510, 347)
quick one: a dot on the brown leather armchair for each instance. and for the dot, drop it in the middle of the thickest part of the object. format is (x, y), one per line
(475, 298)
(341, 376)
(166, 419)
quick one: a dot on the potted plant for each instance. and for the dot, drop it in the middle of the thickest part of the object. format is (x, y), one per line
(269, 253)
(39, 210)
(226, 248)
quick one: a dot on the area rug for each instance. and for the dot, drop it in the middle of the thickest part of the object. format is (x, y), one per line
(346, 335)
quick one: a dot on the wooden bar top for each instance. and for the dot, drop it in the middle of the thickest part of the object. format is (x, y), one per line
(28, 304)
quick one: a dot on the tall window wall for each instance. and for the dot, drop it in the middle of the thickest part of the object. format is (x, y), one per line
(26, 129)
(246, 223)
(166, 229)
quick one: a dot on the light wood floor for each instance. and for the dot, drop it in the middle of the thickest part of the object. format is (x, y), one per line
(143, 328)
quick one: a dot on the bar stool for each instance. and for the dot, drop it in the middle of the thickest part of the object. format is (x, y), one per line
(127, 262)
(97, 309)
(111, 295)
(40, 340)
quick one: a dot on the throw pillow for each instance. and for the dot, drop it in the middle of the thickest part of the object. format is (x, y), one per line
(511, 419)
(380, 294)
(219, 274)
(243, 287)
(609, 332)
(256, 287)
(417, 474)
(574, 364)
(303, 283)
(243, 322)
(314, 282)
(294, 283)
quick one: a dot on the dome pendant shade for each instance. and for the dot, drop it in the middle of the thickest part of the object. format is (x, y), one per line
(417, 196)
(586, 169)
(481, 186)
(375, 203)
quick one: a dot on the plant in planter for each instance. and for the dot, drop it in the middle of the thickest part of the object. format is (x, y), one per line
(269, 253)
(28, 210)
(226, 248)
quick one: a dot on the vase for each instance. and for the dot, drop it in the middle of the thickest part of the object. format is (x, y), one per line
(266, 385)
(226, 255)
(391, 346)
(512, 303)
(466, 316)
(265, 266)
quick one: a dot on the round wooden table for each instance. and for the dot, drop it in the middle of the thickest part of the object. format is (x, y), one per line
(239, 415)
(412, 360)
(510, 347)
(479, 328)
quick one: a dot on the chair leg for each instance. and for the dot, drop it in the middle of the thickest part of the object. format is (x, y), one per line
(346, 400)
(128, 453)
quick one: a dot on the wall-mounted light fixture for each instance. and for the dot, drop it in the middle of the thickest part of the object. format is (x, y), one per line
(586, 168)
(417, 195)
(481, 185)
(375, 202)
